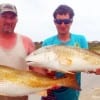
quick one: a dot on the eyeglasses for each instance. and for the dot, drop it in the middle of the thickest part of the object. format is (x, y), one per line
(65, 21)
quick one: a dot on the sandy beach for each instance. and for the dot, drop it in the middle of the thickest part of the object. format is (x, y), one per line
(90, 88)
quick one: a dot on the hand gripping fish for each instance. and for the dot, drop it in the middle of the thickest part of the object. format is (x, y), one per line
(15, 82)
(64, 59)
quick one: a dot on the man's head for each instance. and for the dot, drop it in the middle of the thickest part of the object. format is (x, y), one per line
(63, 18)
(63, 10)
(8, 8)
(8, 18)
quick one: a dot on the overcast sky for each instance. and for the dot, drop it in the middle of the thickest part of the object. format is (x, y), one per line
(35, 18)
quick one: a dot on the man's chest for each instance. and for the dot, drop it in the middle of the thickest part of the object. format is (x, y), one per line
(8, 43)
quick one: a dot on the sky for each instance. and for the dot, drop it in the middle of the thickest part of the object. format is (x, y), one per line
(35, 18)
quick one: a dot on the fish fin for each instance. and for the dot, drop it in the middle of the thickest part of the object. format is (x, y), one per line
(70, 81)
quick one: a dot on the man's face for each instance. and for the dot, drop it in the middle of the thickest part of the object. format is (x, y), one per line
(8, 22)
(63, 23)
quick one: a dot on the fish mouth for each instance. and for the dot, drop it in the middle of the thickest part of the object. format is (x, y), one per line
(29, 62)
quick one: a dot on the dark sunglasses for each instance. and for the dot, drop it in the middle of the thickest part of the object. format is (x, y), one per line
(65, 21)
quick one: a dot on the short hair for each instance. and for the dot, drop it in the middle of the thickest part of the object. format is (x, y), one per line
(64, 9)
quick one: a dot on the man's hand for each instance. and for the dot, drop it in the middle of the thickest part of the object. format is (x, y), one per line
(97, 72)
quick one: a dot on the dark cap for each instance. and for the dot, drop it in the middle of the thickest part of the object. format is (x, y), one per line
(5, 7)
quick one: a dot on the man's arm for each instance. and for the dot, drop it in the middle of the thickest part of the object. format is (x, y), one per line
(97, 72)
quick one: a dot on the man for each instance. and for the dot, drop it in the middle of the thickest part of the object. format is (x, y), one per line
(63, 19)
(13, 47)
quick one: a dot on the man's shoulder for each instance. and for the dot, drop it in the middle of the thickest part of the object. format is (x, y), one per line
(77, 35)
(25, 38)
(80, 40)
(28, 44)
(49, 40)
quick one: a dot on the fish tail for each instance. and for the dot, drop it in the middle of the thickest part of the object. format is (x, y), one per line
(69, 81)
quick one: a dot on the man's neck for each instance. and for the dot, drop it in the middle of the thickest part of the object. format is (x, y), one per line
(8, 41)
(7, 35)
(64, 38)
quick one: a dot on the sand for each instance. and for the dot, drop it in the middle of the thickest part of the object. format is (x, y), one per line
(90, 87)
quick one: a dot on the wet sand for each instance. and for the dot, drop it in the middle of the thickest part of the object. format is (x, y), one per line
(90, 88)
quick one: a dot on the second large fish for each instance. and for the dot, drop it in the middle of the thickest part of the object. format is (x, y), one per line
(15, 82)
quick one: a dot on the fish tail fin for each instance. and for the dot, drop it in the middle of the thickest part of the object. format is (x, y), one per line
(69, 81)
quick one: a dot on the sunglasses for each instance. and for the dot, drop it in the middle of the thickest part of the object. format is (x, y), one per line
(65, 21)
